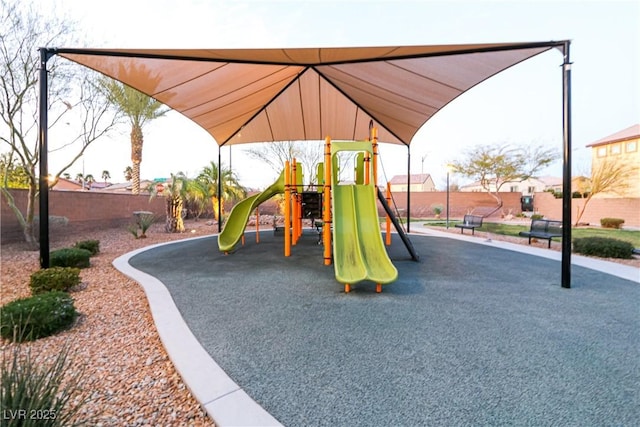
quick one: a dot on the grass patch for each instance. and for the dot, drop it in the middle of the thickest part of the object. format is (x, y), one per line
(631, 236)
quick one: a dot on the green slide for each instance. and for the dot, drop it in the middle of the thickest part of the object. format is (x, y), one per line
(239, 215)
(358, 250)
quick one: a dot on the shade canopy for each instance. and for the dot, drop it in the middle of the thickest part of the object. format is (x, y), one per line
(261, 95)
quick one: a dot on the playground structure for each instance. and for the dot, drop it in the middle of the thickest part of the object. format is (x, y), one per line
(351, 233)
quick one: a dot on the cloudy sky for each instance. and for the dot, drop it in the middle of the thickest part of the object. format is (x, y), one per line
(520, 106)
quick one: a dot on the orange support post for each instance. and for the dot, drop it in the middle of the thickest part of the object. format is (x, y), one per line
(296, 216)
(374, 132)
(326, 200)
(378, 287)
(367, 168)
(299, 217)
(294, 203)
(242, 239)
(287, 209)
(257, 225)
(388, 230)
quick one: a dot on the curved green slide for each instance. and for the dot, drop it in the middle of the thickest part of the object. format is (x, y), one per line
(239, 215)
(358, 250)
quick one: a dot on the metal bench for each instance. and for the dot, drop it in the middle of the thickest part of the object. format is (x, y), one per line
(543, 229)
(470, 222)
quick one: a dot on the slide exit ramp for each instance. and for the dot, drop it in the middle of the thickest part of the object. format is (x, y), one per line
(358, 250)
(239, 215)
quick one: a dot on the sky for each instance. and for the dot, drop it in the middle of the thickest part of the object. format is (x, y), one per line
(520, 106)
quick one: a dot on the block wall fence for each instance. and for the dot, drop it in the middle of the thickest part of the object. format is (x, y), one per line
(85, 210)
(625, 208)
(89, 210)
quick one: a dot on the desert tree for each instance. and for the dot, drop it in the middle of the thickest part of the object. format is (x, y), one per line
(275, 154)
(607, 176)
(78, 115)
(493, 166)
(12, 173)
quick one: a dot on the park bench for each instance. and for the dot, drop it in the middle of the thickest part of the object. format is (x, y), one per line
(543, 229)
(470, 222)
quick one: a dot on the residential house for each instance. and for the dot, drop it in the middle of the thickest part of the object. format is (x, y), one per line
(526, 187)
(619, 148)
(65, 184)
(125, 187)
(419, 182)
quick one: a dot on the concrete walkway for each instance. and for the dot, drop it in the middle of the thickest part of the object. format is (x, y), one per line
(474, 334)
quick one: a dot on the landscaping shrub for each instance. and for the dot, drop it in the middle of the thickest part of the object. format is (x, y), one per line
(603, 247)
(537, 216)
(92, 246)
(54, 279)
(39, 316)
(48, 394)
(70, 257)
(611, 222)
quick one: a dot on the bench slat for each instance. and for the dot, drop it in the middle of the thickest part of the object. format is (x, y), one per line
(470, 222)
(543, 229)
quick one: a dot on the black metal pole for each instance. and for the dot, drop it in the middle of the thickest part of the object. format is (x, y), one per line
(447, 198)
(219, 189)
(408, 188)
(44, 167)
(566, 168)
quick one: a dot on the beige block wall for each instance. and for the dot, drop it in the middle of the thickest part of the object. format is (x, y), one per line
(625, 208)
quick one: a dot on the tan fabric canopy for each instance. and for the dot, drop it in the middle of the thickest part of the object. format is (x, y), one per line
(261, 95)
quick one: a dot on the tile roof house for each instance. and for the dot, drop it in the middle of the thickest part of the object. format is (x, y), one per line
(65, 184)
(419, 182)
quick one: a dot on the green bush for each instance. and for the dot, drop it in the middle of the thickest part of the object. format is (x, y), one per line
(54, 279)
(39, 316)
(92, 246)
(603, 247)
(50, 393)
(70, 257)
(537, 216)
(611, 222)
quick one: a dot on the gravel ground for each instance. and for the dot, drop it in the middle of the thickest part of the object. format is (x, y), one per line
(133, 382)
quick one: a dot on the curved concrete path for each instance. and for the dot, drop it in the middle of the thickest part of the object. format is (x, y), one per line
(472, 334)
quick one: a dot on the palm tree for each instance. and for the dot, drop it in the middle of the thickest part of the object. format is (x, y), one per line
(128, 173)
(89, 179)
(197, 197)
(231, 188)
(80, 177)
(105, 175)
(175, 192)
(139, 109)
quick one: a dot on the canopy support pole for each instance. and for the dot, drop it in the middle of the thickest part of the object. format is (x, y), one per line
(408, 188)
(566, 168)
(43, 153)
(219, 190)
